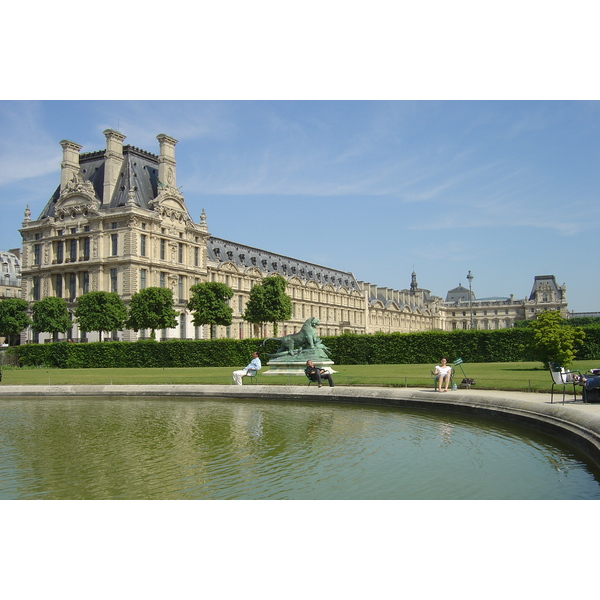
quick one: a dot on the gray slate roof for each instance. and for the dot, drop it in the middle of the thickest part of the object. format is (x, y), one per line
(139, 172)
(222, 251)
(545, 280)
(459, 293)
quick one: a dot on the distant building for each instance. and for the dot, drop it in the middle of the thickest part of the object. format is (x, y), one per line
(502, 312)
(579, 315)
(117, 222)
(10, 282)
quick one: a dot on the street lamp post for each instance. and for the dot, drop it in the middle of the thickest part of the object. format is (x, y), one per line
(470, 278)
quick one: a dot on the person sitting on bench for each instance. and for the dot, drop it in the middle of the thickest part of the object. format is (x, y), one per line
(316, 374)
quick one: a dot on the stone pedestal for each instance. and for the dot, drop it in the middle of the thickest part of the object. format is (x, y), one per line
(294, 367)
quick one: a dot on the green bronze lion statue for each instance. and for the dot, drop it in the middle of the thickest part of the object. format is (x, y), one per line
(294, 342)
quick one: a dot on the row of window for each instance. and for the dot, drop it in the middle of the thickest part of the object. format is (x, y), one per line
(491, 324)
(6, 268)
(70, 285)
(79, 248)
(484, 312)
(295, 292)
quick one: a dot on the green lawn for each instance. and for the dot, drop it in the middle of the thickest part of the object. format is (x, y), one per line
(501, 376)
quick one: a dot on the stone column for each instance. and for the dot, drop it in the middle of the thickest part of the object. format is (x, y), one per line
(70, 162)
(113, 161)
(166, 161)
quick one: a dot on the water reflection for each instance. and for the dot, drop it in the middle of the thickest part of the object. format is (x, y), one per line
(232, 449)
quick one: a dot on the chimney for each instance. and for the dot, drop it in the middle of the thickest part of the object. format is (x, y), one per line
(70, 162)
(166, 161)
(113, 159)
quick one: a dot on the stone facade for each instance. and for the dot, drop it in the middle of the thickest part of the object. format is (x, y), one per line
(10, 276)
(10, 282)
(117, 222)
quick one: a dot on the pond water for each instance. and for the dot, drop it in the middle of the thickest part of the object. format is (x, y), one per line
(157, 448)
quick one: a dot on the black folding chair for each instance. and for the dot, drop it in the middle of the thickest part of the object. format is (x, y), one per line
(560, 376)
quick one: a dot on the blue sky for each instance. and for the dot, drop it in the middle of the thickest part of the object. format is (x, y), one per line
(506, 189)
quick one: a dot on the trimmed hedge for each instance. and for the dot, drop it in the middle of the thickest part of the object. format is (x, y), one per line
(144, 353)
(503, 345)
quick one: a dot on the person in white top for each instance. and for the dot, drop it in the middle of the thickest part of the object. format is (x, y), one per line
(254, 367)
(442, 374)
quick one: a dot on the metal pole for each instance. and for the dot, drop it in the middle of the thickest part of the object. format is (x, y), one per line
(470, 278)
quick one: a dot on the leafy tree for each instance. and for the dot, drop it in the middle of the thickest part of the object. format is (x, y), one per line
(553, 339)
(51, 315)
(521, 324)
(268, 302)
(209, 304)
(100, 311)
(13, 317)
(152, 308)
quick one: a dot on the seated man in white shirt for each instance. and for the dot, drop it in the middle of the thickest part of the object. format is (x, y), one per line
(250, 370)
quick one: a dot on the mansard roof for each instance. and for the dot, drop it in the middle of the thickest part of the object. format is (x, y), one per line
(221, 251)
(138, 173)
(458, 294)
(546, 283)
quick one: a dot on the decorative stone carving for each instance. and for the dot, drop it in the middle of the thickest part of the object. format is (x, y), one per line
(78, 185)
(203, 225)
(131, 198)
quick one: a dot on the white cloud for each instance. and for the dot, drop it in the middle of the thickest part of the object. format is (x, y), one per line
(141, 122)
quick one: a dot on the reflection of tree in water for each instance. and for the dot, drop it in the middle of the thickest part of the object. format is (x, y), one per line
(144, 448)
(318, 425)
(106, 448)
(222, 448)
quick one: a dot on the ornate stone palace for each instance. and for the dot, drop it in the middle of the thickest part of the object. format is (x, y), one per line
(117, 222)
